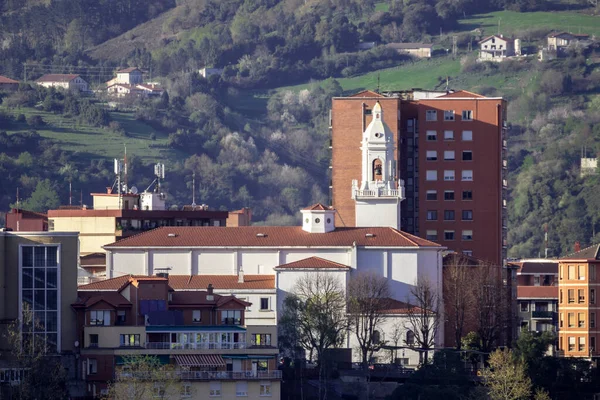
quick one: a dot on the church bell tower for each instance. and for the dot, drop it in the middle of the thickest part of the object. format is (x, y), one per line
(379, 192)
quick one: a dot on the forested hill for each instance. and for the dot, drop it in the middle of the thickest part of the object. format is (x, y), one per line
(250, 136)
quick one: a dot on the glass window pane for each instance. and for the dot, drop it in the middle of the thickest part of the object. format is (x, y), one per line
(52, 340)
(40, 321)
(39, 302)
(40, 277)
(27, 256)
(51, 300)
(51, 321)
(27, 298)
(39, 256)
(51, 257)
(51, 278)
(27, 277)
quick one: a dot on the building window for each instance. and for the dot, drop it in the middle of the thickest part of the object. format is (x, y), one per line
(467, 235)
(431, 136)
(431, 155)
(448, 135)
(524, 306)
(448, 215)
(580, 320)
(40, 272)
(431, 195)
(130, 340)
(186, 390)
(431, 115)
(571, 293)
(241, 389)
(467, 136)
(231, 317)
(265, 389)
(560, 296)
(410, 338)
(431, 235)
(592, 296)
(581, 272)
(449, 195)
(449, 115)
(100, 317)
(571, 343)
(448, 235)
(431, 175)
(571, 272)
(449, 175)
(467, 215)
(467, 115)
(592, 343)
(196, 316)
(592, 320)
(92, 366)
(264, 304)
(93, 340)
(449, 155)
(467, 195)
(536, 280)
(261, 339)
(562, 319)
(432, 215)
(581, 296)
(571, 320)
(467, 175)
(121, 317)
(215, 389)
(581, 343)
(468, 253)
(467, 155)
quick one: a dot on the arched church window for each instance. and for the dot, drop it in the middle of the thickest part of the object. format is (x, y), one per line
(410, 338)
(377, 170)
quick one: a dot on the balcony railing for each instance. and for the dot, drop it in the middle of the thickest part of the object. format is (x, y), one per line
(196, 346)
(205, 375)
(542, 314)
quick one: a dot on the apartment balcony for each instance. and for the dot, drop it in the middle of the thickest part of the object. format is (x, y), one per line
(207, 375)
(543, 314)
(196, 346)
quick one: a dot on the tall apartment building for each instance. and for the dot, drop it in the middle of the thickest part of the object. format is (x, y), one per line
(214, 348)
(449, 149)
(578, 285)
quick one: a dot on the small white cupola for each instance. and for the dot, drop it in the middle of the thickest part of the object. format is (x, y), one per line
(318, 219)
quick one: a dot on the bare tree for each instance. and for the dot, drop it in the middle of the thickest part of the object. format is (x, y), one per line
(143, 377)
(458, 296)
(423, 318)
(490, 301)
(368, 295)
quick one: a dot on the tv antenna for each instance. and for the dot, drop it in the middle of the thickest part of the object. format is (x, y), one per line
(194, 190)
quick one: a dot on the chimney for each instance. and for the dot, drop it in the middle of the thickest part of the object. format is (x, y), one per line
(210, 288)
(577, 247)
(241, 275)
(109, 190)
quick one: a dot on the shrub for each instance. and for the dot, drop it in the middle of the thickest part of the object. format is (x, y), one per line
(153, 136)
(35, 121)
(21, 118)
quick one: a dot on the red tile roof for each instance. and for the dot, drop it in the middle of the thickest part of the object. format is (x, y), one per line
(532, 267)
(57, 78)
(318, 206)
(462, 93)
(28, 214)
(589, 253)
(93, 260)
(188, 282)
(127, 70)
(87, 299)
(200, 298)
(270, 236)
(4, 79)
(366, 93)
(313, 262)
(537, 292)
(393, 306)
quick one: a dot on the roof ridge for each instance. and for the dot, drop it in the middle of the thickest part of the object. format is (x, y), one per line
(398, 232)
(581, 250)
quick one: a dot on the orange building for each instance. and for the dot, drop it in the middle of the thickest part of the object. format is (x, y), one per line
(578, 283)
(450, 151)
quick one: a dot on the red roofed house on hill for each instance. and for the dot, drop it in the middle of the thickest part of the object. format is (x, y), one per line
(65, 81)
(8, 84)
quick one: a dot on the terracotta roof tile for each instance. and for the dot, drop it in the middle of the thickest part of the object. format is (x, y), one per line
(87, 299)
(4, 79)
(313, 262)
(270, 236)
(188, 282)
(589, 253)
(532, 267)
(393, 306)
(537, 292)
(92, 260)
(366, 93)
(57, 78)
(318, 206)
(126, 70)
(462, 93)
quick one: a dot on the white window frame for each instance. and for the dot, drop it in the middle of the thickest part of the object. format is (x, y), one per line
(239, 389)
(431, 175)
(89, 363)
(434, 192)
(431, 235)
(449, 115)
(467, 175)
(449, 155)
(467, 235)
(449, 135)
(431, 115)
(265, 389)
(431, 155)
(467, 136)
(215, 389)
(449, 175)
(427, 215)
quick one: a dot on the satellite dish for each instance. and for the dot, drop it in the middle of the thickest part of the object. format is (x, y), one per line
(134, 190)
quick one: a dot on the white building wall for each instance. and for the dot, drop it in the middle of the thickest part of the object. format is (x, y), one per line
(178, 261)
(127, 262)
(258, 261)
(215, 262)
(378, 212)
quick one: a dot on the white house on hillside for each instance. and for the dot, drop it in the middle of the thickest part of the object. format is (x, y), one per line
(129, 76)
(65, 81)
(498, 48)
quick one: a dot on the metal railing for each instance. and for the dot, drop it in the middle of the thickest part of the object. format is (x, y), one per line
(204, 375)
(196, 346)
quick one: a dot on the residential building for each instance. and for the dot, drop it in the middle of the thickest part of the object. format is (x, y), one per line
(7, 84)
(139, 89)
(588, 166)
(202, 325)
(561, 42)
(127, 76)
(206, 72)
(19, 220)
(537, 294)
(64, 81)
(37, 271)
(498, 48)
(449, 149)
(578, 285)
(419, 50)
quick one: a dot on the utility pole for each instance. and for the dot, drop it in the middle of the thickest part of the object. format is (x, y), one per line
(454, 46)
(24, 72)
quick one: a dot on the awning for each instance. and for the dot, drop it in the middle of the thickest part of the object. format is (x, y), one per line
(124, 360)
(199, 360)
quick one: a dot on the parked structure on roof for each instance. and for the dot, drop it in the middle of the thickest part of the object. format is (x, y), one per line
(64, 81)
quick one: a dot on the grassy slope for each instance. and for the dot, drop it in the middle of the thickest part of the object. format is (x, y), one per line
(91, 142)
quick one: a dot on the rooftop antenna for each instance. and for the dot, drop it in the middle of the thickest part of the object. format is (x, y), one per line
(70, 193)
(545, 240)
(18, 212)
(378, 88)
(447, 83)
(125, 169)
(159, 172)
(194, 190)
(117, 169)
